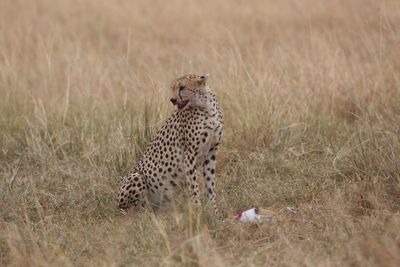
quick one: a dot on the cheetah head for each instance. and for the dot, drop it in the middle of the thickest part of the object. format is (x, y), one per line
(188, 90)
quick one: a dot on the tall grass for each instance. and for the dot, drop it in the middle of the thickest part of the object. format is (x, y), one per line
(310, 93)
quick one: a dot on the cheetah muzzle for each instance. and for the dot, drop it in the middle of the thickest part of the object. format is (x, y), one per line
(180, 104)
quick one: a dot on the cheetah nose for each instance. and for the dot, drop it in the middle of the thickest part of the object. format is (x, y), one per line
(174, 101)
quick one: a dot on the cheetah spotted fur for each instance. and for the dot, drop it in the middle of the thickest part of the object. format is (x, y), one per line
(186, 142)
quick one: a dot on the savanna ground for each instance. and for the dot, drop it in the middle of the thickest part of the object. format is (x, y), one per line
(310, 91)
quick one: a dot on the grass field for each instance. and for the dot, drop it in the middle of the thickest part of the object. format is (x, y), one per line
(310, 91)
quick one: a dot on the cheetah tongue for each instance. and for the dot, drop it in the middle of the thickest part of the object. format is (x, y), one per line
(182, 104)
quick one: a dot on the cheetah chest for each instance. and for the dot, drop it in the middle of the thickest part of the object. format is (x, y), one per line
(212, 136)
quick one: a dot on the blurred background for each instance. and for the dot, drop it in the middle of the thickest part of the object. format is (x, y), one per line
(309, 90)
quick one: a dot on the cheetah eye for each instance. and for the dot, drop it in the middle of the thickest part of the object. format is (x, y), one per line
(181, 87)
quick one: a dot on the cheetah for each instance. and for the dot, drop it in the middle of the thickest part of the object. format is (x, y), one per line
(186, 142)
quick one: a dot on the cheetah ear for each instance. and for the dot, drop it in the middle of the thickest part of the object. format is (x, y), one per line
(204, 78)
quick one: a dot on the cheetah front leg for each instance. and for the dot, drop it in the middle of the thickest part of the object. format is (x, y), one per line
(132, 191)
(191, 179)
(209, 174)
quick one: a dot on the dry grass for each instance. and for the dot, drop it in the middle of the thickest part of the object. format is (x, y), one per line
(310, 90)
